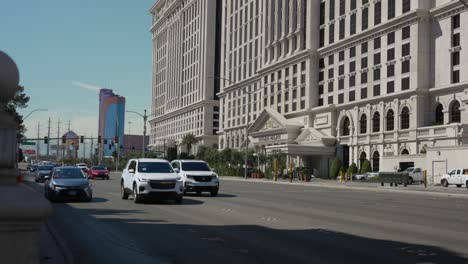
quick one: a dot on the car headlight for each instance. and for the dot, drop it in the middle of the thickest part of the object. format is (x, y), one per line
(179, 178)
(143, 179)
(189, 176)
(214, 175)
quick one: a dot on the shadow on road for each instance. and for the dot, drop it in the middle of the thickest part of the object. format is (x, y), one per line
(220, 195)
(243, 243)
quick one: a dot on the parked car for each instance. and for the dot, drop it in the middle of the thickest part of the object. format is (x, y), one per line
(43, 171)
(197, 176)
(82, 166)
(456, 177)
(68, 183)
(365, 176)
(151, 178)
(415, 175)
(98, 172)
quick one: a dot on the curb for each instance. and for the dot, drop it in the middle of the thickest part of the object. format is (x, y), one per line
(373, 189)
(59, 241)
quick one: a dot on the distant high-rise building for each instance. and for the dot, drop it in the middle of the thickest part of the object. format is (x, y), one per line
(186, 48)
(111, 121)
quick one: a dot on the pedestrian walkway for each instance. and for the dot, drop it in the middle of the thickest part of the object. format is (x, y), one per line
(435, 190)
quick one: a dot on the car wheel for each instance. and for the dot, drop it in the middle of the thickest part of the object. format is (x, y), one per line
(466, 184)
(136, 196)
(122, 191)
(199, 193)
(459, 185)
(410, 180)
(214, 192)
(445, 183)
(107, 178)
(89, 199)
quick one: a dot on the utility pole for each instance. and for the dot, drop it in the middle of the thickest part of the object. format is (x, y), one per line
(145, 117)
(84, 149)
(68, 146)
(92, 148)
(48, 136)
(38, 141)
(58, 139)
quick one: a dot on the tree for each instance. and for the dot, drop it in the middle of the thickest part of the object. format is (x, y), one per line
(366, 167)
(352, 170)
(171, 153)
(335, 168)
(189, 140)
(19, 101)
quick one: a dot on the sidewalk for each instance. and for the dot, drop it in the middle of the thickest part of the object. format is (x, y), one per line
(433, 190)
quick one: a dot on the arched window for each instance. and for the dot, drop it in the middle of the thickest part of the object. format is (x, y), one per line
(455, 115)
(376, 122)
(362, 158)
(404, 152)
(375, 161)
(439, 115)
(345, 129)
(363, 124)
(390, 120)
(405, 118)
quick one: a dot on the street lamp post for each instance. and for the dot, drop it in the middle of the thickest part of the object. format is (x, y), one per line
(145, 118)
(247, 126)
(24, 118)
(35, 110)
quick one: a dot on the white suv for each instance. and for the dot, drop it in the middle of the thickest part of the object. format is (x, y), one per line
(151, 178)
(197, 176)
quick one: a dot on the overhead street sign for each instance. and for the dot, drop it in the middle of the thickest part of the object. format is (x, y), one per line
(28, 143)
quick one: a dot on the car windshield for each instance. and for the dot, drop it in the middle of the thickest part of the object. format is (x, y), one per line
(154, 167)
(98, 168)
(45, 168)
(195, 166)
(68, 173)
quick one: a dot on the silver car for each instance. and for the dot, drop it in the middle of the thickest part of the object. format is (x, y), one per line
(68, 183)
(366, 176)
(42, 172)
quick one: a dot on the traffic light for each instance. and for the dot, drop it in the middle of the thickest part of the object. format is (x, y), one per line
(133, 148)
(105, 141)
(81, 139)
(46, 140)
(117, 139)
(99, 138)
(64, 139)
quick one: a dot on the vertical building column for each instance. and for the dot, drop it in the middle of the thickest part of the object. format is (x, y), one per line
(275, 28)
(292, 26)
(266, 36)
(284, 30)
(299, 24)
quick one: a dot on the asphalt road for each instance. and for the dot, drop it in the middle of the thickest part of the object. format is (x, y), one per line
(265, 223)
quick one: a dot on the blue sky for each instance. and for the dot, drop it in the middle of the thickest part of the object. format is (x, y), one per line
(62, 46)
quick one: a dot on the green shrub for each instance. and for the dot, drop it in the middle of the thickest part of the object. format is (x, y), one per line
(335, 168)
(352, 170)
(366, 167)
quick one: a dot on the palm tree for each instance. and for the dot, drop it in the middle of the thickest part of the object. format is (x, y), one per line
(189, 140)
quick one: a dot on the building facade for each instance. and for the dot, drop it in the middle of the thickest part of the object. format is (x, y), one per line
(356, 79)
(111, 121)
(185, 57)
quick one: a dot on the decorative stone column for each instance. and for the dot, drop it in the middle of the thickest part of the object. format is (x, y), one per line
(22, 210)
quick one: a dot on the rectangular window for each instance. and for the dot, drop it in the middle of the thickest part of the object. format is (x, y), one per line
(322, 13)
(302, 104)
(320, 89)
(376, 74)
(405, 66)
(405, 50)
(364, 63)
(456, 21)
(352, 66)
(377, 13)
(331, 34)
(341, 84)
(390, 54)
(377, 90)
(330, 100)
(405, 33)
(341, 56)
(390, 70)
(352, 81)
(330, 73)
(364, 47)
(341, 70)
(406, 6)
(405, 84)
(331, 59)
(330, 87)
(352, 52)
(322, 37)
(352, 29)
(320, 102)
(341, 98)
(342, 29)
(391, 38)
(353, 4)
(321, 65)
(363, 77)
(331, 10)
(391, 9)
(363, 93)
(365, 19)
(342, 7)
(377, 43)
(303, 91)
(456, 58)
(456, 40)
(390, 87)
(456, 76)
(320, 76)
(352, 96)
(377, 59)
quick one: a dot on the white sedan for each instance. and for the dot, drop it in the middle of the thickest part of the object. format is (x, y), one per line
(366, 176)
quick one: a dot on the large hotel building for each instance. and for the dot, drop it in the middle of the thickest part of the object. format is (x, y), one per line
(382, 80)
